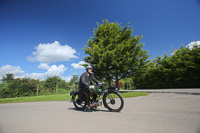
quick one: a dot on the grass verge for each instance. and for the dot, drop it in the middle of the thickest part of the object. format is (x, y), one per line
(61, 97)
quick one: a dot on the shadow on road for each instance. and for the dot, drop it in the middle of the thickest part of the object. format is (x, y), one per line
(92, 110)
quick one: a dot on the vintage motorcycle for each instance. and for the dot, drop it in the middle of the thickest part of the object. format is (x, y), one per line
(112, 100)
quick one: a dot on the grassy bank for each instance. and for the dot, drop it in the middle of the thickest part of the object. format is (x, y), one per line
(61, 97)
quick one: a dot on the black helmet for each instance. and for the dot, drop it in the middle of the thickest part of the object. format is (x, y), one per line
(88, 67)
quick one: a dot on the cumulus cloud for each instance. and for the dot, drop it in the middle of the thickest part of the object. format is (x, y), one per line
(16, 70)
(56, 70)
(68, 78)
(52, 52)
(43, 66)
(52, 70)
(78, 65)
(192, 44)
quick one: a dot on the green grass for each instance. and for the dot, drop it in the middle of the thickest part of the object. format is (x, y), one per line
(133, 94)
(61, 97)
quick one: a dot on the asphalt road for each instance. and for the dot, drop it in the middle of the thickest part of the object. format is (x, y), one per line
(156, 113)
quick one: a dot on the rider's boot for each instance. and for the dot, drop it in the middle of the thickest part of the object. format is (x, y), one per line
(89, 106)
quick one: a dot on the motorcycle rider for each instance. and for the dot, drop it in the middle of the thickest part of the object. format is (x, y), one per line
(85, 84)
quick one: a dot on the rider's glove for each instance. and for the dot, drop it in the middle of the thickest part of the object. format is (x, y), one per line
(91, 87)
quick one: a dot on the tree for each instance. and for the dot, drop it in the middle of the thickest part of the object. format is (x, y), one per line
(114, 52)
(51, 82)
(8, 77)
(74, 79)
(18, 87)
(180, 70)
(187, 66)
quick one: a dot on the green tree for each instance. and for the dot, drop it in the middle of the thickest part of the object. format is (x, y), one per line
(18, 87)
(187, 66)
(180, 70)
(51, 82)
(74, 79)
(24, 86)
(8, 77)
(114, 52)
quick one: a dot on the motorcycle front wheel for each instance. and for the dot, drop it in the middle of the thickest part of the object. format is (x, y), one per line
(113, 101)
(78, 103)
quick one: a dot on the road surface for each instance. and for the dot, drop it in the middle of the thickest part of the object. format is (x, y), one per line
(155, 113)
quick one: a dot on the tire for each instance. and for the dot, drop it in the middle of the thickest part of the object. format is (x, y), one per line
(80, 105)
(113, 101)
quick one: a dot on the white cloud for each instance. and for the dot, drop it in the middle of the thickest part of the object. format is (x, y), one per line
(78, 65)
(56, 71)
(39, 76)
(51, 71)
(44, 66)
(192, 44)
(16, 70)
(52, 52)
(67, 79)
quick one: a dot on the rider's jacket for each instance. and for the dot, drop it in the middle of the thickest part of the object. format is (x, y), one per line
(86, 80)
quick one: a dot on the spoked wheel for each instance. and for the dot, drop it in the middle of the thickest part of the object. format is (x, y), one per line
(79, 104)
(113, 101)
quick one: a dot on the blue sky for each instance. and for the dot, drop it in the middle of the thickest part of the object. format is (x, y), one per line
(41, 38)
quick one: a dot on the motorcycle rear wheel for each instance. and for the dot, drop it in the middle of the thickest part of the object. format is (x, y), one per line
(79, 104)
(113, 101)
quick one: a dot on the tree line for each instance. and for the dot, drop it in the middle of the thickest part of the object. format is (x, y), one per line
(11, 87)
(180, 70)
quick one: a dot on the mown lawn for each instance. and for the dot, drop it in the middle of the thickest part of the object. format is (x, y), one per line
(61, 97)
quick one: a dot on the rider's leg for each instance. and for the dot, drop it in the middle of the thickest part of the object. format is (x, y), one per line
(88, 100)
(88, 94)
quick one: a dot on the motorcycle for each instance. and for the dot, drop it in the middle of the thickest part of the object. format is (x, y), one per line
(111, 98)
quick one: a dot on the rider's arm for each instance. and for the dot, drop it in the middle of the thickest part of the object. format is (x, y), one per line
(95, 80)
